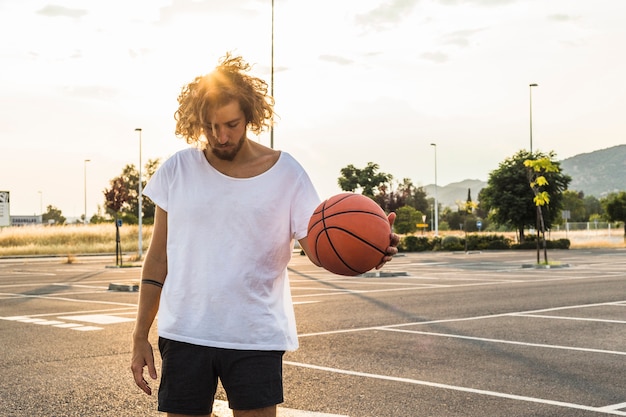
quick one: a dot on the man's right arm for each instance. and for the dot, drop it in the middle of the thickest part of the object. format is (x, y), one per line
(153, 276)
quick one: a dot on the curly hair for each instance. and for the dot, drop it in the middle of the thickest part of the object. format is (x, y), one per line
(227, 82)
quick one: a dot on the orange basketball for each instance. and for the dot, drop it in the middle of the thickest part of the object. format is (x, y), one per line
(349, 234)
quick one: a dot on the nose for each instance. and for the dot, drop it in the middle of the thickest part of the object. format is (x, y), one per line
(221, 135)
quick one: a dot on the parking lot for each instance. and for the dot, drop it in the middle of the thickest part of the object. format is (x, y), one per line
(435, 334)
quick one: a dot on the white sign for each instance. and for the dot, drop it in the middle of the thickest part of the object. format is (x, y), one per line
(5, 213)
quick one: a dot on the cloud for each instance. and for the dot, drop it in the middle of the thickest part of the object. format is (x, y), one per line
(336, 59)
(436, 57)
(184, 8)
(93, 92)
(386, 14)
(138, 52)
(461, 37)
(60, 11)
(487, 3)
(559, 17)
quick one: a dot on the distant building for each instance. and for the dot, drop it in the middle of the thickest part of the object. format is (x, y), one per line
(25, 220)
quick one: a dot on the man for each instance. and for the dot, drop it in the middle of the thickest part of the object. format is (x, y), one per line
(228, 211)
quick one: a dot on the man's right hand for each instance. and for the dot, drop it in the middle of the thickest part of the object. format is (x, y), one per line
(143, 357)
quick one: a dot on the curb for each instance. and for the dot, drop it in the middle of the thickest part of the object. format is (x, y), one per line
(380, 274)
(129, 287)
(540, 266)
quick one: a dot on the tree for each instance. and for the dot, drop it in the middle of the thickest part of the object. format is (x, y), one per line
(407, 219)
(130, 178)
(53, 214)
(469, 204)
(615, 207)
(537, 170)
(573, 201)
(367, 179)
(510, 201)
(413, 196)
(593, 207)
(406, 194)
(116, 197)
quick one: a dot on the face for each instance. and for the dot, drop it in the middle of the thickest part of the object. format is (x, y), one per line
(226, 131)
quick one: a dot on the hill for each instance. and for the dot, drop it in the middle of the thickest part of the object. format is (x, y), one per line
(449, 195)
(596, 173)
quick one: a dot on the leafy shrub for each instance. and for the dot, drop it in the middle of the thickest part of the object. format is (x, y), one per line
(487, 241)
(452, 243)
(475, 241)
(415, 244)
(550, 244)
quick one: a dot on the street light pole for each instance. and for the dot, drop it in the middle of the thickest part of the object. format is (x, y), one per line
(530, 87)
(85, 182)
(272, 78)
(434, 145)
(139, 202)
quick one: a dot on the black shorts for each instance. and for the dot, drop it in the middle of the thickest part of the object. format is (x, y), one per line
(251, 378)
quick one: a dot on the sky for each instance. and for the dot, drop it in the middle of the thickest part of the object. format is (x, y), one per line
(355, 81)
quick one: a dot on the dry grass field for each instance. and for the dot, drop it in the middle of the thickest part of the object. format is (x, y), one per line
(77, 239)
(70, 240)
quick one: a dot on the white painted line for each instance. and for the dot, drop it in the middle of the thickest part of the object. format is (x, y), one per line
(108, 310)
(98, 319)
(48, 322)
(68, 325)
(508, 342)
(86, 328)
(29, 320)
(455, 320)
(14, 318)
(614, 407)
(71, 300)
(541, 316)
(60, 284)
(221, 408)
(458, 388)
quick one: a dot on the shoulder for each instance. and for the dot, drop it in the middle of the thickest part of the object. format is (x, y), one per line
(288, 161)
(184, 156)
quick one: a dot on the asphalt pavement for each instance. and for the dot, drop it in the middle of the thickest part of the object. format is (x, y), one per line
(437, 334)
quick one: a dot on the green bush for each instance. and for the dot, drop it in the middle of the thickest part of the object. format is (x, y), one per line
(415, 244)
(531, 243)
(475, 241)
(487, 241)
(452, 243)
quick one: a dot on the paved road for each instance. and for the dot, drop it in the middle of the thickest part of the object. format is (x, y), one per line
(453, 334)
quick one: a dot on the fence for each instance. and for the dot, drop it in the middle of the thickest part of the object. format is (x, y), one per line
(585, 232)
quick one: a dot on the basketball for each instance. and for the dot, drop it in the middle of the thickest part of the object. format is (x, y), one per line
(349, 234)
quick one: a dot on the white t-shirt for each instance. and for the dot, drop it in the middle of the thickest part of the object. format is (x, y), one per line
(229, 241)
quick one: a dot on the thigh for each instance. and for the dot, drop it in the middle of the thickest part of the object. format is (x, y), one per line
(188, 378)
(253, 380)
(260, 412)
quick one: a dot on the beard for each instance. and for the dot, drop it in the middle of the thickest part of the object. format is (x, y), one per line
(228, 152)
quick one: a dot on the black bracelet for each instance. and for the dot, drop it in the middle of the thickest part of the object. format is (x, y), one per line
(152, 282)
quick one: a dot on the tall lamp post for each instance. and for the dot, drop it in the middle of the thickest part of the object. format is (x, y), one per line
(530, 87)
(272, 78)
(434, 145)
(85, 183)
(139, 202)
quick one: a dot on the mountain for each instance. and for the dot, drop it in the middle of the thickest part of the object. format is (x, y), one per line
(456, 192)
(596, 173)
